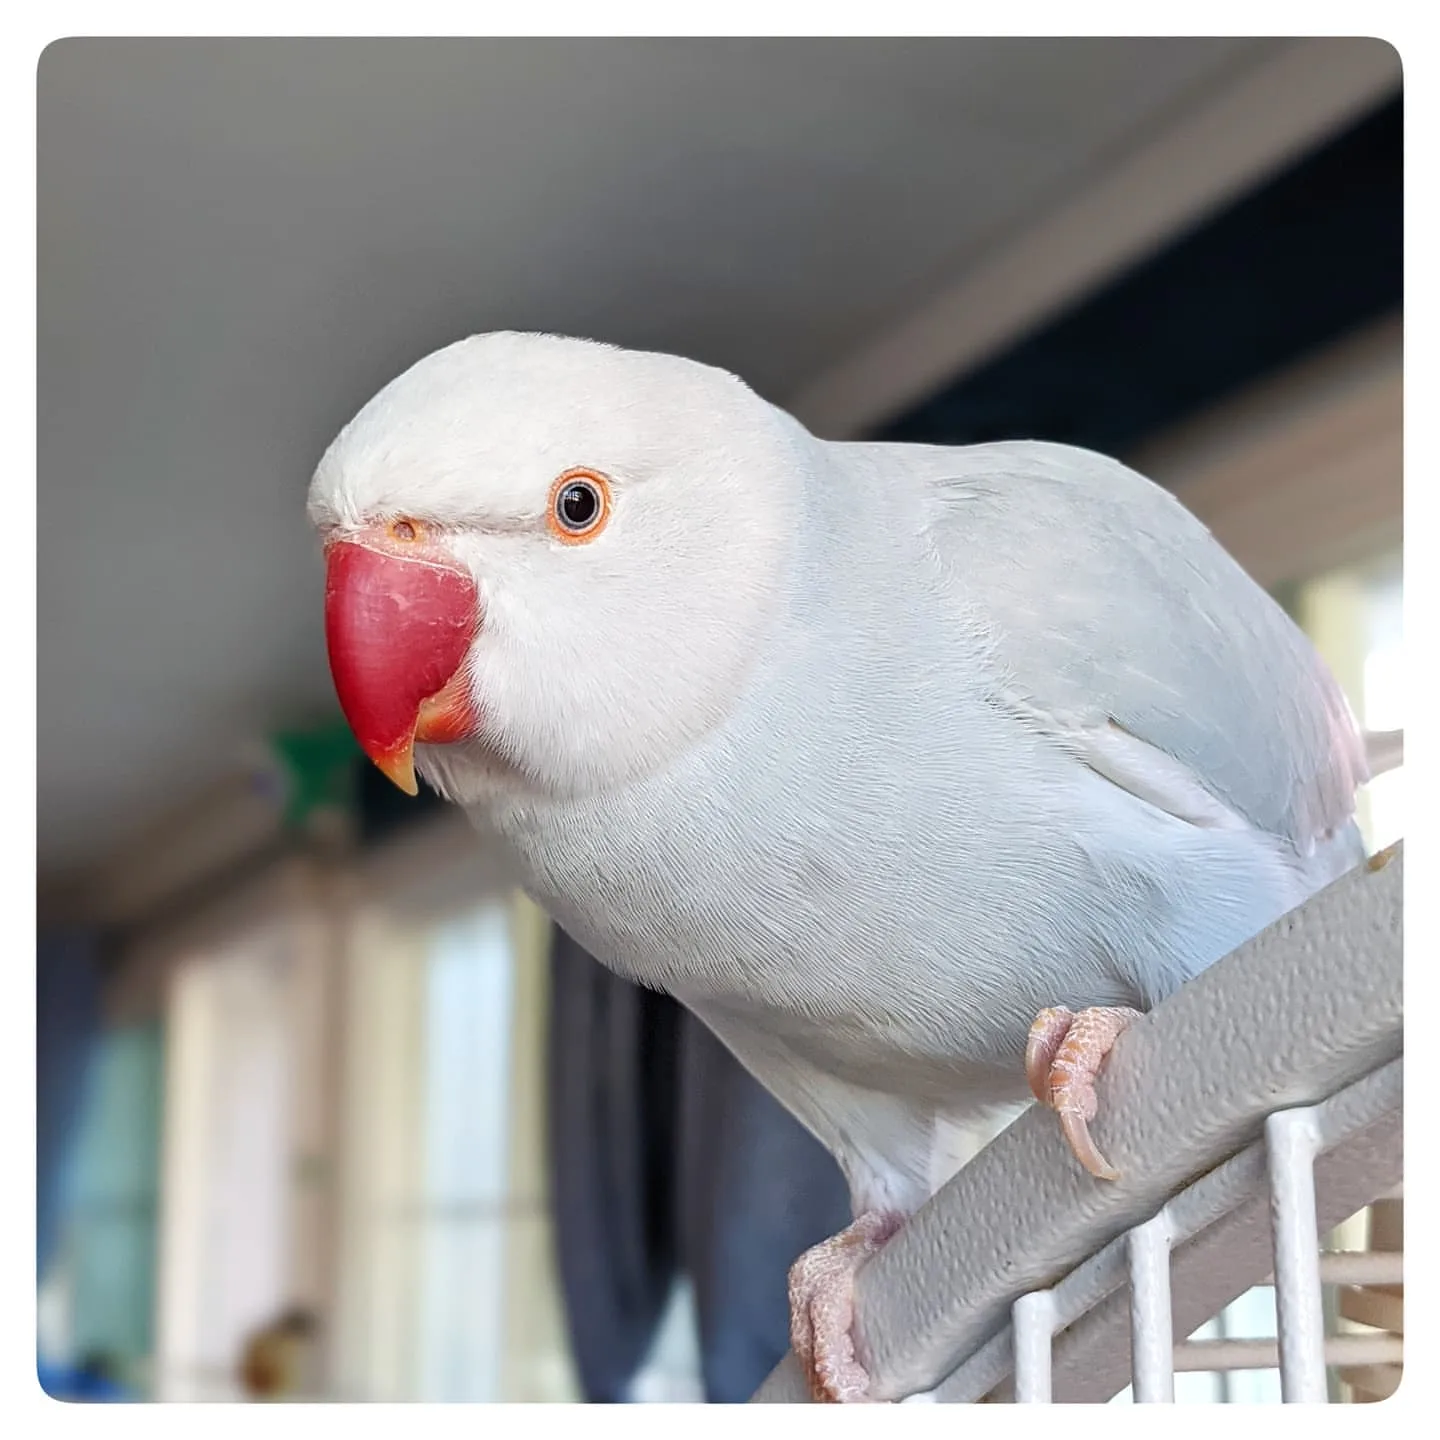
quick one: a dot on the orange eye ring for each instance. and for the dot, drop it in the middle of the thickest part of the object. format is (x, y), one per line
(579, 507)
(405, 530)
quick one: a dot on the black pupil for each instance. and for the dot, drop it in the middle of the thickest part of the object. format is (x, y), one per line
(578, 504)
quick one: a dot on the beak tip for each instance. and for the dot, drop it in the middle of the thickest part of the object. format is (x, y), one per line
(399, 769)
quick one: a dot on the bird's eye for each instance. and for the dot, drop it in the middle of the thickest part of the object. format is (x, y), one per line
(579, 506)
(404, 530)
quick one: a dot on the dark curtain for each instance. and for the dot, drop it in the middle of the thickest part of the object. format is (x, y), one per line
(754, 1189)
(667, 1158)
(611, 1100)
(67, 1025)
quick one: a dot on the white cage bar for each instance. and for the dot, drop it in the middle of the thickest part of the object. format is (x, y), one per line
(1250, 1114)
(1152, 1353)
(1292, 1140)
(1033, 1319)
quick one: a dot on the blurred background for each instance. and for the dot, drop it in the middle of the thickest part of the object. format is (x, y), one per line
(325, 1109)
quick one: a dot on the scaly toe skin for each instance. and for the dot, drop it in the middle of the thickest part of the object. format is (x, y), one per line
(822, 1294)
(1075, 1060)
(1046, 1035)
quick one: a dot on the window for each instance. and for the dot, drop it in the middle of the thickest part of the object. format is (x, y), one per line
(226, 1168)
(447, 1289)
(100, 1302)
(1355, 617)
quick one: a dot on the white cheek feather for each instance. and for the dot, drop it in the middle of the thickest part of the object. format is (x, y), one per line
(598, 663)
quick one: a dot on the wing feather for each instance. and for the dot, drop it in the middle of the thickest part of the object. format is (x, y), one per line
(1120, 623)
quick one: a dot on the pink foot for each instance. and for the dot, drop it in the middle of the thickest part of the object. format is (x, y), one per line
(822, 1294)
(1062, 1058)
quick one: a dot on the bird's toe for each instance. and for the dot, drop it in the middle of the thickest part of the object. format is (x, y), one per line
(1046, 1035)
(1062, 1058)
(822, 1308)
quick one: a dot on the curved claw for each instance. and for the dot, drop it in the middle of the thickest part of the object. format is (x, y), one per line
(1077, 1131)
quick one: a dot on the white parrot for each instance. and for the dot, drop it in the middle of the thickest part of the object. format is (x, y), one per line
(916, 772)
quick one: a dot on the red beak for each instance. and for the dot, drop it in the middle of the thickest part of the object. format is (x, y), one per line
(398, 627)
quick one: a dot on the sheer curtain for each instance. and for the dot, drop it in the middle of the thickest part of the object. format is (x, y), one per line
(446, 1288)
(224, 1243)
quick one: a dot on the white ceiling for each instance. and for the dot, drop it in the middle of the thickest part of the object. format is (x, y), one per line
(239, 241)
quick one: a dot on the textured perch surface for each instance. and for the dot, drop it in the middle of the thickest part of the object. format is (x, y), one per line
(1307, 1007)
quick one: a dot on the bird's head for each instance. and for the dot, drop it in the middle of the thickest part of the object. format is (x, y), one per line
(550, 562)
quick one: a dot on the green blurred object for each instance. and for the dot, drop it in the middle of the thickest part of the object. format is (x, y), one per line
(320, 766)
